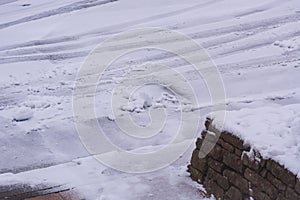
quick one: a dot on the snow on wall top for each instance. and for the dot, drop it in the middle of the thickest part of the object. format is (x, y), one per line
(273, 131)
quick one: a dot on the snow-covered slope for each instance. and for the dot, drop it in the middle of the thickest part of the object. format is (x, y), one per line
(254, 44)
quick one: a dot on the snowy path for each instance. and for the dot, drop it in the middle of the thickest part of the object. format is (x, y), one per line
(254, 44)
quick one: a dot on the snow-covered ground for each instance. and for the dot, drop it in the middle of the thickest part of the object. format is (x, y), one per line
(254, 44)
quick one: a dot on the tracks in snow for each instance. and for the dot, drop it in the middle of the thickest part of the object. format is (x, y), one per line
(236, 34)
(58, 11)
(221, 42)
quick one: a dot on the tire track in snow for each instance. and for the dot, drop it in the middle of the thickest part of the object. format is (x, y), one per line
(71, 38)
(220, 51)
(50, 57)
(257, 26)
(103, 29)
(51, 52)
(62, 10)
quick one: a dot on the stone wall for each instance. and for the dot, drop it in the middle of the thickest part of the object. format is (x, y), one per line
(233, 171)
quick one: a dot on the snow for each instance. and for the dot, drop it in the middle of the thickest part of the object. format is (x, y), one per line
(272, 130)
(254, 44)
(112, 184)
(23, 114)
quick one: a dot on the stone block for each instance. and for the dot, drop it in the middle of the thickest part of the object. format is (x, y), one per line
(218, 178)
(232, 161)
(257, 194)
(203, 134)
(297, 187)
(237, 180)
(195, 174)
(226, 145)
(206, 148)
(217, 166)
(216, 153)
(291, 194)
(207, 123)
(277, 183)
(197, 163)
(213, 188)
(263, 163)
(252, 164)
(233, 140)
(263, 184)
(246, 147)
(281, 196)
(263, 173)
(281, 173)
(238, 152)
(199, 143)
(234, 193)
